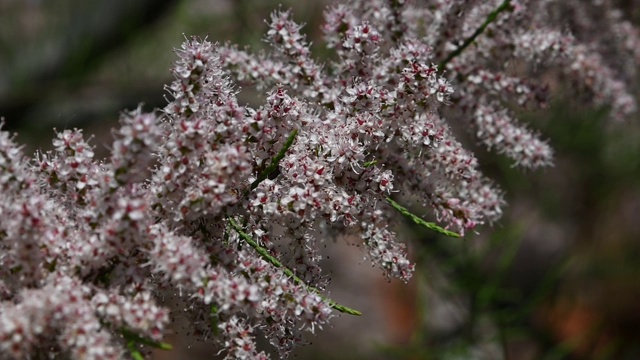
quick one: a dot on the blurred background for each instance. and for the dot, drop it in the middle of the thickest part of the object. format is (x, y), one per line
(557, 278)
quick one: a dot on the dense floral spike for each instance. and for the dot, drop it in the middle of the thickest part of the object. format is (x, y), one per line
(60, 309)
(497, 130)
(137, 313)
(226, 206)
(131, 153)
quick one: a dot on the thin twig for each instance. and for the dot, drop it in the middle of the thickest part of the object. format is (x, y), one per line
(275, 262)
(416, 219)
(506, 5)
(274, 162)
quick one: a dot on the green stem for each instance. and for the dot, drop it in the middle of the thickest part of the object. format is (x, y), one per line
(132, 337)
(275, 262)
(274, 162)
(506, 5)
(135, 353)
(429, 225)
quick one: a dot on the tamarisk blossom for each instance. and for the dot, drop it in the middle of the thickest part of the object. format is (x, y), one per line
(225, 207)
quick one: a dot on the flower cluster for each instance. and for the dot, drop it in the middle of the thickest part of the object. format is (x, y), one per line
(226, 205)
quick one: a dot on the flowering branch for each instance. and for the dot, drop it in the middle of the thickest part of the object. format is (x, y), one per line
(262, 251)
(275, 262)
